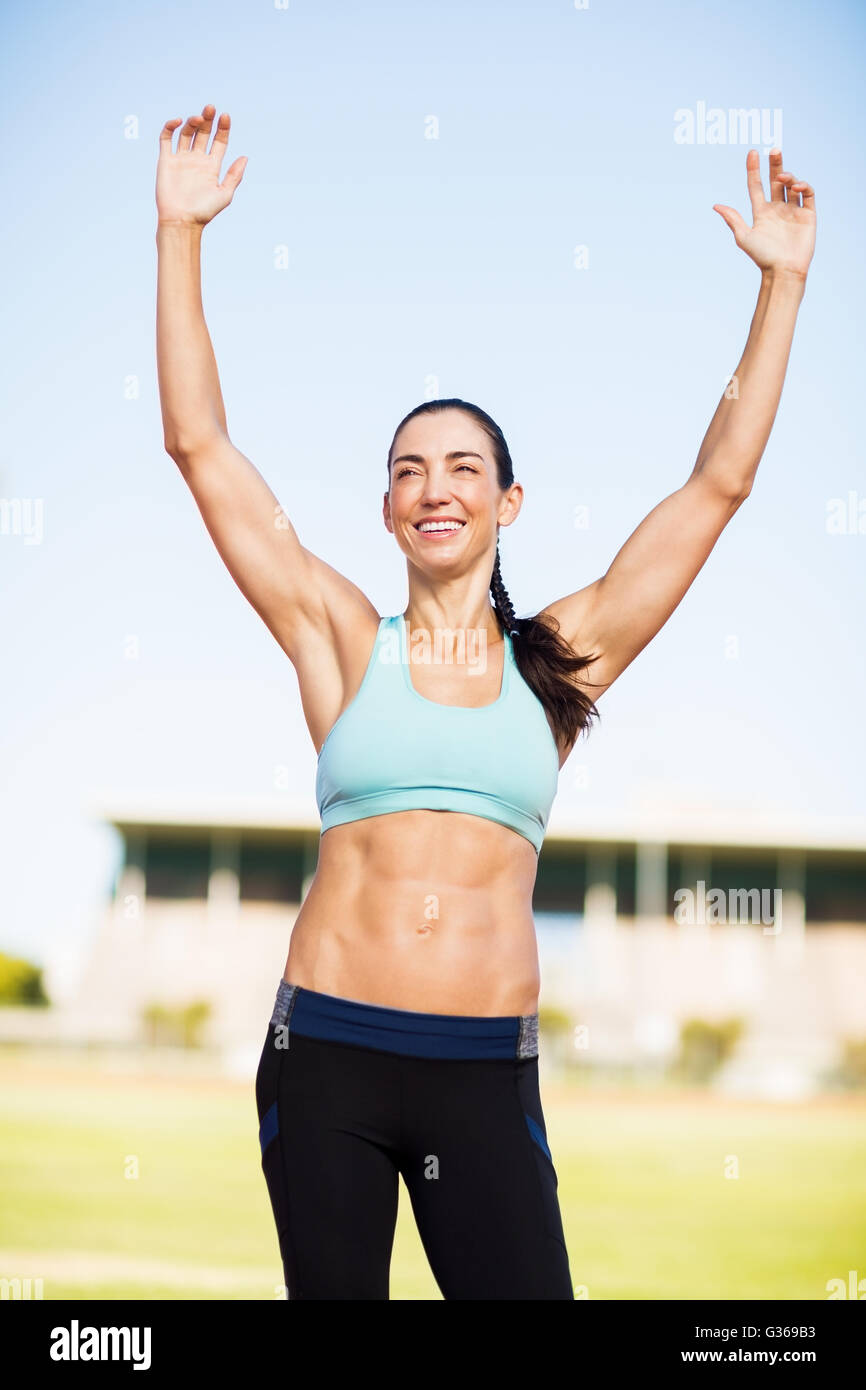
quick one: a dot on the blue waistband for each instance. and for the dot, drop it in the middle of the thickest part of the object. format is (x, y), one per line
(456, 1036)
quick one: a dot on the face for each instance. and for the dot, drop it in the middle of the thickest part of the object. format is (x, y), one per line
(445, 504)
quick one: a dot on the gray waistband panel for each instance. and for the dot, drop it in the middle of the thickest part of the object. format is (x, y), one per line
(527, 1038)
(283, 1004)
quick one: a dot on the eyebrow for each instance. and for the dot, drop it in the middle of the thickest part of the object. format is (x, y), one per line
(454, 454)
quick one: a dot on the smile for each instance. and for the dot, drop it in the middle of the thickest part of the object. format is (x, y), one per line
(439, 528)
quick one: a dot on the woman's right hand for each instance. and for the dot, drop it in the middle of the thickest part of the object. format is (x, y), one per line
(187, 183)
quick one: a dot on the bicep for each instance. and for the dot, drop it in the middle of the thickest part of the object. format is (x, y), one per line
(621, 612)
(290, 588)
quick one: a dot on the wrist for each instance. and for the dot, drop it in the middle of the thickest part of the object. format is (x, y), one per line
(783, 276)
(184, 224)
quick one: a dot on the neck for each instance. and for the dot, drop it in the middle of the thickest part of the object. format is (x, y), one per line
(460, 602)
(438, 617)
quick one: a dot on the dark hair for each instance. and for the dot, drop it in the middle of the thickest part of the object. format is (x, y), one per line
(544, 658)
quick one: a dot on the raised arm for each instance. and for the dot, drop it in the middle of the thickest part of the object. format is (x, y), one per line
(322, 621)
(622, 611)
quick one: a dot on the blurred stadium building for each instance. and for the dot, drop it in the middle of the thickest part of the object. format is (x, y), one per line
(641, 926)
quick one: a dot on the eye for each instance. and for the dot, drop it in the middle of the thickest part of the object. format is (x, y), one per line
(401, 472)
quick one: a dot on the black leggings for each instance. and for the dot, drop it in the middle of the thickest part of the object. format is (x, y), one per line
(349, 1095)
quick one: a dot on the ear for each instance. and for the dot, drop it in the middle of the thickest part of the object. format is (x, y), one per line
(511, 504)
(386, 513)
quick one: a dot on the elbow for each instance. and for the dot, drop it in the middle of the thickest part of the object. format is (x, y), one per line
(734, 497)
(182, 441)
(734, 486)
(183, 457)
(171, 438)
(179, 455)
(183, 449)
(737, 495)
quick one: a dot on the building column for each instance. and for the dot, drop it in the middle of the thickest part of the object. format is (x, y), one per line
(651, 881)
(224, 882)
(696, 879)
(129, 893)
(789, 927)
(651, 942)
(600, 924)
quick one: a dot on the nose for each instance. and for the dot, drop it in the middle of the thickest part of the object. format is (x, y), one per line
(436, 489)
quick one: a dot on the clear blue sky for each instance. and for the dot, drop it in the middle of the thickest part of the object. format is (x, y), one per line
(412, 258)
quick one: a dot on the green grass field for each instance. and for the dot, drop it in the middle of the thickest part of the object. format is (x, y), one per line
(647, 1208)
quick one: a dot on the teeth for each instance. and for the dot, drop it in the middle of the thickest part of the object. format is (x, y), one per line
(440, 526)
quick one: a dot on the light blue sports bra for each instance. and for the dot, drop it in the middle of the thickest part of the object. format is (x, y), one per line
(394, 750)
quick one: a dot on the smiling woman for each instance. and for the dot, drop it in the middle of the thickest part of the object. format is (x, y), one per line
(410, 991)
(551, 667)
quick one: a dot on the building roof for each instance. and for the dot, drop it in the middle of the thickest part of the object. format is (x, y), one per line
(683, 825)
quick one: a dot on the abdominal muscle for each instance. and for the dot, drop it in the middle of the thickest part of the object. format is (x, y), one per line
(423, 910)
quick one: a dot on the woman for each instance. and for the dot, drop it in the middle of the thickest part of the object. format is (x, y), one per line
(404, 1034)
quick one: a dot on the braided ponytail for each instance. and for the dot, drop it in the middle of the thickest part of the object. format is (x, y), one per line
(547, 663)
(501, 602)
(544, 659)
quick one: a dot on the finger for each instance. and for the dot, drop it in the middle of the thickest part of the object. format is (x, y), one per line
(187, 135)
(808, 193)
(753, 175)
(167, 134)
(221, 137)
(777, 190)
(792, 190)
(199, 142)
(234, 174)
(736, 223)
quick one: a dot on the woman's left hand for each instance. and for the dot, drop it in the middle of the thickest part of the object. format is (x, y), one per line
(782, 237)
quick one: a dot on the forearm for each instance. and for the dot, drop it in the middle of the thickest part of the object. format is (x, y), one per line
(189, 388)
(735, 441)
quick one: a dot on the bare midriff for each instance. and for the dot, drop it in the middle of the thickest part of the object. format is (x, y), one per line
(423, 910)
